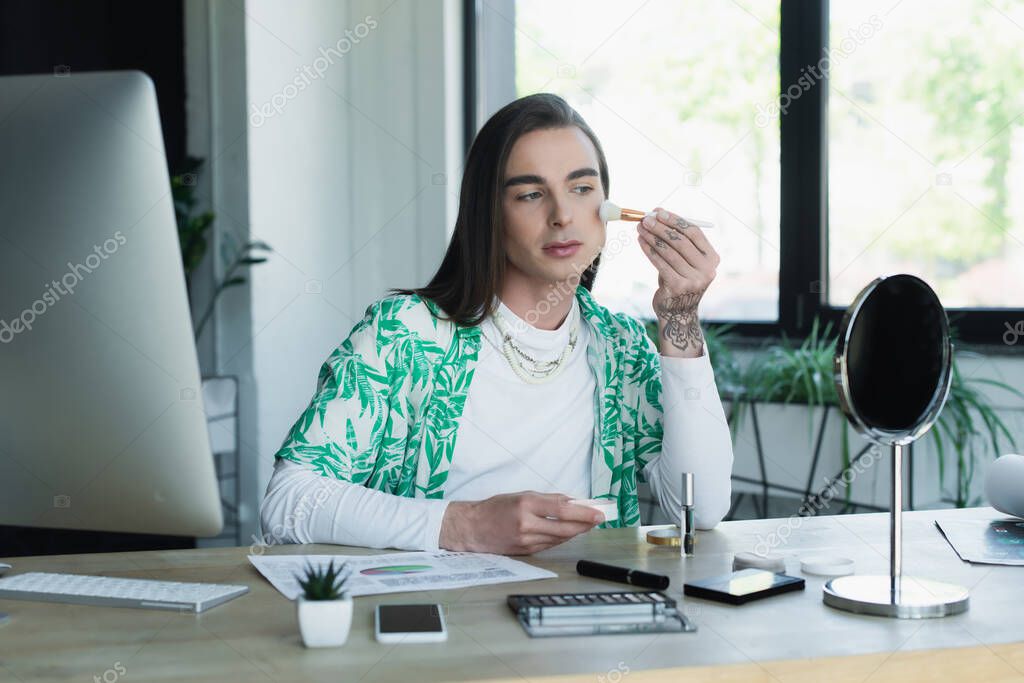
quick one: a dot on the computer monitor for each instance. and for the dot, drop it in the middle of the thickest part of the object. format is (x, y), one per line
(102, 424)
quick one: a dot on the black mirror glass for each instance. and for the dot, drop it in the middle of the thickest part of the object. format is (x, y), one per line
(896, 352)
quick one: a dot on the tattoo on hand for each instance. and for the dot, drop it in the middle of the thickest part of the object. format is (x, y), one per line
(682, 327)
(682, 224)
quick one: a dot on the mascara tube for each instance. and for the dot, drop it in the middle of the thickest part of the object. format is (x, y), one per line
(687, 532)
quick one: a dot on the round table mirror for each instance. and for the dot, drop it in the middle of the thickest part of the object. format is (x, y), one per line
(893, 367)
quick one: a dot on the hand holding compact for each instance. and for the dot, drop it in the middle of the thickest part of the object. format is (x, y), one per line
(519, 523)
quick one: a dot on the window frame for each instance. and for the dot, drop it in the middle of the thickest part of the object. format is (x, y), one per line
(803, 214)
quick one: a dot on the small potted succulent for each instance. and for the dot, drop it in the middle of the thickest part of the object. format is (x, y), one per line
(324, 607)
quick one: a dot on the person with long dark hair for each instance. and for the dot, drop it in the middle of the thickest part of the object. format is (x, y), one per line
(468, 413)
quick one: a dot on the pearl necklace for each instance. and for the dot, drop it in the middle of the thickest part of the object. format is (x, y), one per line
(533, 371)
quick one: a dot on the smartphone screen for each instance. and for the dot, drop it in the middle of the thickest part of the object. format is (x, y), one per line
(420, 619)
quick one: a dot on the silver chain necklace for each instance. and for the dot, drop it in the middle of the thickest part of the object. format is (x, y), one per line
(525, 366)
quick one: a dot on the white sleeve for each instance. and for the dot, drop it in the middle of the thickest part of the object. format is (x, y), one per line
(696, 439)
(301, 506)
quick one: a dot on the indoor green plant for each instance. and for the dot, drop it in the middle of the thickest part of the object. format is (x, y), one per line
(789, 373)
(792, 373)
(958, 429)
(324, 608)
(192, 231)
(802, 374)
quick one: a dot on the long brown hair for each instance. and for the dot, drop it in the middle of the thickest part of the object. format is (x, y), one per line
(473, 268)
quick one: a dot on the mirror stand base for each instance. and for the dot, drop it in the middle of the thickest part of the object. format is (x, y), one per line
(913, 598)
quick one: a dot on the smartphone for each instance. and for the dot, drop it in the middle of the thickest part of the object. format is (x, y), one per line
(418, 623)
(743, 586)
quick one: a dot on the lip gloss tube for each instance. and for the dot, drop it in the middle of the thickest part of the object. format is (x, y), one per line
(686, 528)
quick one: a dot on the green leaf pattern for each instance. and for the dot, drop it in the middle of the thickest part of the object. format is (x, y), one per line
(388, 399)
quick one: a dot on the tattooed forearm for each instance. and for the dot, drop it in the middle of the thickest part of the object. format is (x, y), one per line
(680, 325)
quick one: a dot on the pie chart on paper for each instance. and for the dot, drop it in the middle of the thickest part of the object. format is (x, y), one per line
(395, 569)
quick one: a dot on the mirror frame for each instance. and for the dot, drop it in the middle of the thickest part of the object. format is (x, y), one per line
(841, 369)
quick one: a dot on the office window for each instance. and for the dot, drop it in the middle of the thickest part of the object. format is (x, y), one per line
(831, 142)
(673, 91)
(926, 147)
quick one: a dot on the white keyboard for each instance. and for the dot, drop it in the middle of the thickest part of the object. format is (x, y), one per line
(109, 591)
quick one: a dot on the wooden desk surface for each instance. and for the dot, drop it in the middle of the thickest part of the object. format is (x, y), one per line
(792, 637)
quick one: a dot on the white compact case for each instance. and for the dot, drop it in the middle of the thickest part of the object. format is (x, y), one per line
(606, 506)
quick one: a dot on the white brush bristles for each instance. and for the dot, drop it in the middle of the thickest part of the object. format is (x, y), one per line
(609, 211)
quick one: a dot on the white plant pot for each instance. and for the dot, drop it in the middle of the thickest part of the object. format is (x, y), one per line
(324, 623)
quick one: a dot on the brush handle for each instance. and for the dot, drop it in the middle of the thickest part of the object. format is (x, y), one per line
(637, 216)
(631, 215)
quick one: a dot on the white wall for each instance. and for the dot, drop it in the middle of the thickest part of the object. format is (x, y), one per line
(215, 64)
(333, 132)
(348, 180)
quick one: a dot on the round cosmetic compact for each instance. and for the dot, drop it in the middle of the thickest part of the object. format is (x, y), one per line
(669, 536)
(607, 506)
(826, 565)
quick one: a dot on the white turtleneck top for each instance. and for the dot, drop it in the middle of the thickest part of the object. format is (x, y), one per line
(517, 436)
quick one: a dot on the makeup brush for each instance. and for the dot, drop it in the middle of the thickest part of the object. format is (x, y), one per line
(610, 211)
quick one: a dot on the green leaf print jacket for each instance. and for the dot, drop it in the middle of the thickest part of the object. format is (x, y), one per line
(388, 399)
